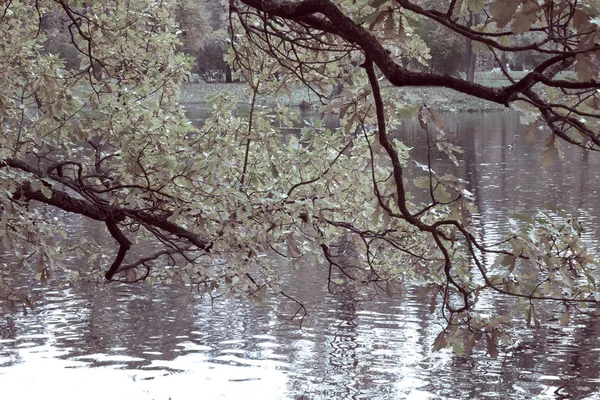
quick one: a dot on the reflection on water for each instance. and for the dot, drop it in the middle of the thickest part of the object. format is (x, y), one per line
(137, 342)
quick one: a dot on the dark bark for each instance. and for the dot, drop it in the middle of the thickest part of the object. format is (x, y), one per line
(228, 74)
(124, 246)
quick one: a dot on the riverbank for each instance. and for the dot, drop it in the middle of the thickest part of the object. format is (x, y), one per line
(439, 98)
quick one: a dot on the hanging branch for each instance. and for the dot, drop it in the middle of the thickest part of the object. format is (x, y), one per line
(124, 246)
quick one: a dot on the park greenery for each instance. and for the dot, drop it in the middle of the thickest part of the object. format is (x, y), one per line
(98, 131)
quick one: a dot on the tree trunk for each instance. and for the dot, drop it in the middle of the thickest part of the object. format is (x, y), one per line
(471, 60)
(228, 78)
(470, 55)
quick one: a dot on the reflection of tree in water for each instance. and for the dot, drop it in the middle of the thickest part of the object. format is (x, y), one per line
(343, 356)
(359, 351)
(546, 362)
(323, 351)
(144, 323)
(8, 355)
(134, 326)
(568, 365)
(110, 325)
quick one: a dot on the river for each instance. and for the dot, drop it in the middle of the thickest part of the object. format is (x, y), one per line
(102, 341)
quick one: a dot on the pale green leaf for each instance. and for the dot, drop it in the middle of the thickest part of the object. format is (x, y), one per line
(458, 348)
(46, 191)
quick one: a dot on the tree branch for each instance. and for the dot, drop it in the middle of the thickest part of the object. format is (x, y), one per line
(124, 246)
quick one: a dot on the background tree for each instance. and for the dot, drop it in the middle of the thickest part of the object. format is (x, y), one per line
(443, 42)
(204, 31)
(58, 41)
(470, 58)
(194, 22)
(107, 140)
(446, 48)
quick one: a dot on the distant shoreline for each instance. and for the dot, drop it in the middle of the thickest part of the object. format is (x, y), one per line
(442, 99)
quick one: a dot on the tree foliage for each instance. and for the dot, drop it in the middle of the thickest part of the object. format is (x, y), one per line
(193, 20)
(108, 140)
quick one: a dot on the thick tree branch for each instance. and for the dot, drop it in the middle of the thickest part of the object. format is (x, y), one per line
(325, 16)
(346, 28)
